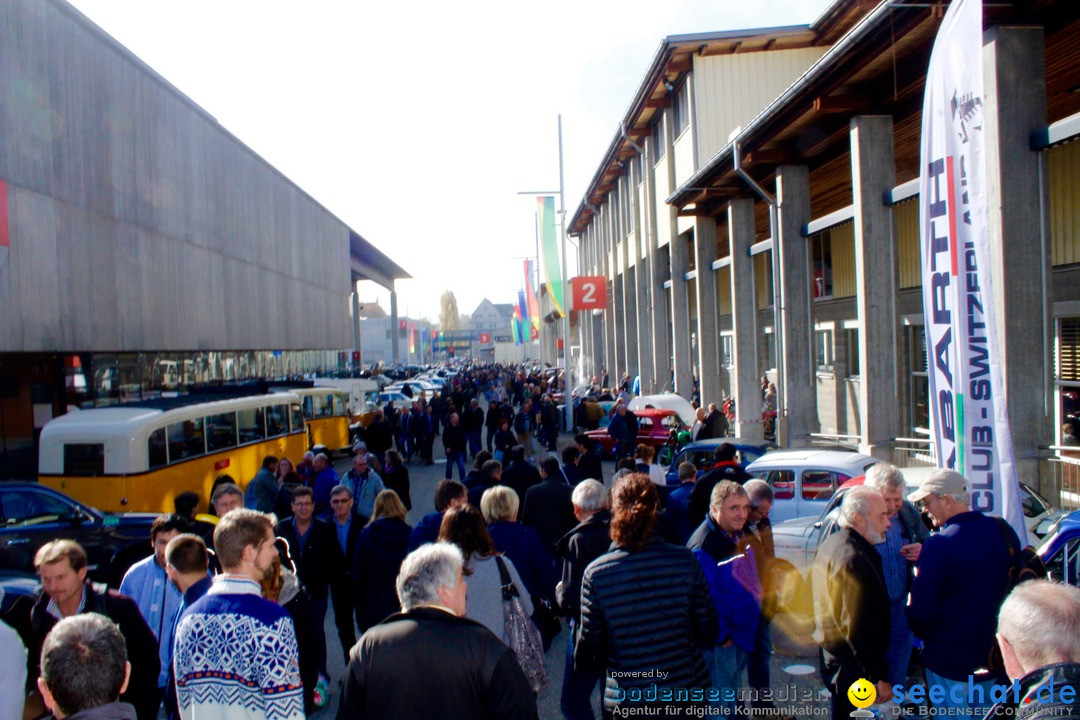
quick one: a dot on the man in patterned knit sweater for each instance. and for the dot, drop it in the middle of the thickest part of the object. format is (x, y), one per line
(236, 655)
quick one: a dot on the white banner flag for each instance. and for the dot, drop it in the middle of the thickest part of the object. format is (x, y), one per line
(968, 417)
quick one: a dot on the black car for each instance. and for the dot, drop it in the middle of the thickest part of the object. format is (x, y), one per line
(32, 515)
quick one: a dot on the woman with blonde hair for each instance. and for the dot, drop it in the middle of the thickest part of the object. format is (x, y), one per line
(377, 556)
(643, 463)
(520, 543)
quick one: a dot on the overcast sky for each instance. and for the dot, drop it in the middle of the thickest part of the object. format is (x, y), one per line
(418, 123)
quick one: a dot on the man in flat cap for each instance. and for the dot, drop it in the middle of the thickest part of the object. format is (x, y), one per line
(961, 579)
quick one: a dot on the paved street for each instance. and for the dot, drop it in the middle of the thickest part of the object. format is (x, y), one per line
(793, 671)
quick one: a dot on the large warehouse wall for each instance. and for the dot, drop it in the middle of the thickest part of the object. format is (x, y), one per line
(136, 221)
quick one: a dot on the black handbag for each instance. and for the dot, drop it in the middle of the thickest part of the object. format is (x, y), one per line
(547, 620)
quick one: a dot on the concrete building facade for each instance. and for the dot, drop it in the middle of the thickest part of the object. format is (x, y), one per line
(148, 248)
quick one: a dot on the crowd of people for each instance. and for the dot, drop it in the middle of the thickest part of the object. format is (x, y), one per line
(667, 593)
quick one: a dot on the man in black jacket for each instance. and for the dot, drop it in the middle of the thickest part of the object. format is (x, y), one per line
(549, 508)
(429, 656)
(589, 462)
(62, 567)
(320, 562)
(579, 547)
(473, 422)
(347, 524)
(851, 604)
(68, 685)
(378, 435)
(520, 474)
(454, 444)
(492, 421)
(726, 468)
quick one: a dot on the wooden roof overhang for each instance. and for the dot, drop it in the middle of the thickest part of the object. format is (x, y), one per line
(878, 68)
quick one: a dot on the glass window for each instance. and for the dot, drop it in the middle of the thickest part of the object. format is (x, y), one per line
(339, 405)
(321, 406)
(84, 459)
(851, 339)
(298, 418)
(727, 351)
(1068, 379)
(186, 440)
(250, 425)
(821, 484)
(221, 432)
(821, 265)
(782, 482)
(657, 145)
(1064, 566)
(920, 382)
(30, 507)
(823, 350)
(157, 450)
(680, 109)
(277, 420)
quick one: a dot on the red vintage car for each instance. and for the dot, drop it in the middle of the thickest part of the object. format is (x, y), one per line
(654, 428)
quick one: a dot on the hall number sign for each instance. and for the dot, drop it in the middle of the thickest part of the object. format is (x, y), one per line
(588, 292)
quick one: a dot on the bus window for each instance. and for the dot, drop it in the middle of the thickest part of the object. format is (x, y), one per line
(185, 440)
(84, 459)
(307, 401)
(250, 424)
(277, 420)
(320, 406)
(297, 418)
(220, 432)
(157, 451)
(339, 405)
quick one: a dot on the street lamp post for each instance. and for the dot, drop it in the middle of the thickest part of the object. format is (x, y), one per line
(567, 385)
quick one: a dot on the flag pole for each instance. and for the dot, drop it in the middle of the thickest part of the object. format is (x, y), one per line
(568, 404)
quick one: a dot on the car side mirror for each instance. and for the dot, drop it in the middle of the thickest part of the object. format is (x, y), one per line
(818, 525)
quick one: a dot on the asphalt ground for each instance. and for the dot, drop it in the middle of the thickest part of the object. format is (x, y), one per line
(793, 673)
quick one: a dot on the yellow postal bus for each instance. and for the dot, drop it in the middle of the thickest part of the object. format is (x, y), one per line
(140, 456)
(326, 414)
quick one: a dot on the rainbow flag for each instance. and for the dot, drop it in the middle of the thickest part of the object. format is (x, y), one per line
(412, 338)
(549, 252)
(530, 296)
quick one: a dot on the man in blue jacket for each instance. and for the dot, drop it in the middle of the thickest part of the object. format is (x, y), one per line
(961, 579)
(717, 542)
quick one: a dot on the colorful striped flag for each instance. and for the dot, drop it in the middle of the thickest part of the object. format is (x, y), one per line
(549, 251)
(412, 338)
(530, 296)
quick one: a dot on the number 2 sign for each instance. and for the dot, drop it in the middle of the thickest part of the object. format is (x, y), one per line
(588, 292)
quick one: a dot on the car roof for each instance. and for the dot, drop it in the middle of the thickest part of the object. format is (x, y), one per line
(713, 443)
(812, 456)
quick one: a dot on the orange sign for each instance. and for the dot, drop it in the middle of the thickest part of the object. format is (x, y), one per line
(588, 292)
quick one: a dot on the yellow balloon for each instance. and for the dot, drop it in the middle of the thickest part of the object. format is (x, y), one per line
(862, 693)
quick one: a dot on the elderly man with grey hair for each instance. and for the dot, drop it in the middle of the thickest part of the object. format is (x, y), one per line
(851, 603)
(961, 579)
(899, 552)
(1038, 630)
(587, 541)
(431, 656)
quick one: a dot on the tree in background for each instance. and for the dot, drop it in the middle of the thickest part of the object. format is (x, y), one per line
(448, 312)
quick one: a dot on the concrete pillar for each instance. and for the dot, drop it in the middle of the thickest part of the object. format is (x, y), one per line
(800, 392)
(607, 255)
(708, 342)
(680, 316)
(355, 299)
(873, 173)
(394, 340)
(659, 273)
(1015, 105)
(628, 321)
(744, 375)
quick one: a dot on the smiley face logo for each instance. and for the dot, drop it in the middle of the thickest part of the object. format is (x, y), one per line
(862, 693)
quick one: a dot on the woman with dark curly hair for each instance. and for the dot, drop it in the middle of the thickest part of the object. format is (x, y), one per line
(645, 607)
